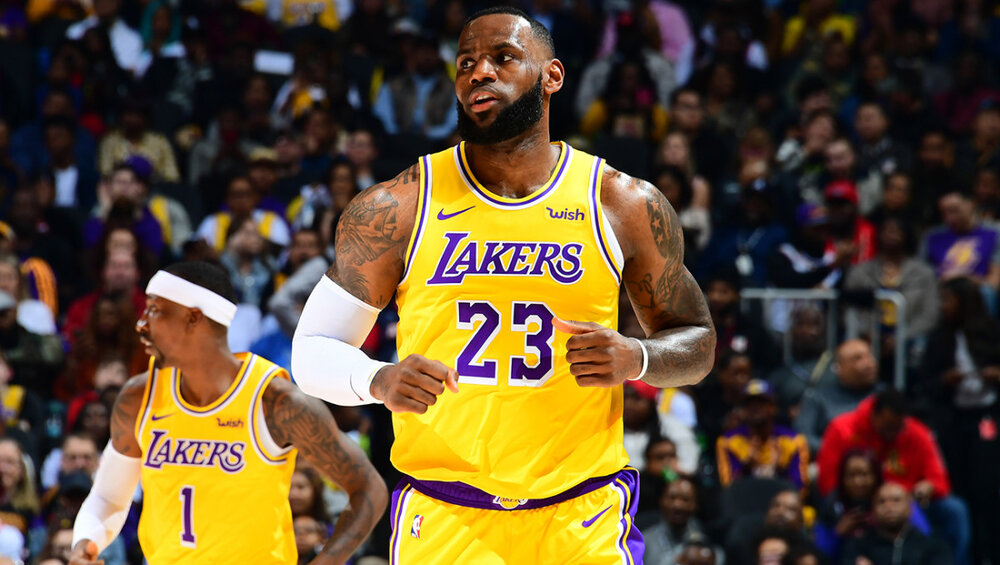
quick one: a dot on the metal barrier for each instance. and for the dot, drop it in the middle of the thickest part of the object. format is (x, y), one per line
(831, 298)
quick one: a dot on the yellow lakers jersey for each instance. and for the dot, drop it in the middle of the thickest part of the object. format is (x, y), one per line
(215, 485)
(484, 277)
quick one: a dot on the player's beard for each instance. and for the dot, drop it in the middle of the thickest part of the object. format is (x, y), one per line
(510, 122)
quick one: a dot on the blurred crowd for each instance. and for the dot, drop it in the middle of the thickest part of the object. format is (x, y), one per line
(835, 145)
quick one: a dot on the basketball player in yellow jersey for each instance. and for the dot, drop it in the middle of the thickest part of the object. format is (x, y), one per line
(214, 437)
(506, 255)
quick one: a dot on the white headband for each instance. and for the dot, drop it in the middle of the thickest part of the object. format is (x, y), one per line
(186, 293)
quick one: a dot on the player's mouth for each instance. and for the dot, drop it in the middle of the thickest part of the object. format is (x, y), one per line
(482, 101)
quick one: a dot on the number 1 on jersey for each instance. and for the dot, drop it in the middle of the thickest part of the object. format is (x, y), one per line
(187, 516)
(471, 368)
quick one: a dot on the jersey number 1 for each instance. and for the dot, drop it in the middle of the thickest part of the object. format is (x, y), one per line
(187, 516)
(471, 368)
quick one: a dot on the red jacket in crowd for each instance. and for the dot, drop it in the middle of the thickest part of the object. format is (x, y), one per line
(911, 458)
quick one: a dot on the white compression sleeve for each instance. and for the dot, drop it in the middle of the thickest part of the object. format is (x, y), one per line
(326, 361)
(103, 513)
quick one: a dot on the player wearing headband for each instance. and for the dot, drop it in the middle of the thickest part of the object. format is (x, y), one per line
(214, 437)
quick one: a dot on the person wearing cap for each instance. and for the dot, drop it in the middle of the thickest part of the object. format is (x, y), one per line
(214, 436)
(122, 200)
(810, 259)
(262, 172)
(848, 227)
(760, 447)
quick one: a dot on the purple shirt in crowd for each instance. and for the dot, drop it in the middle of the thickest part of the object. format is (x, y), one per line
(969, 253)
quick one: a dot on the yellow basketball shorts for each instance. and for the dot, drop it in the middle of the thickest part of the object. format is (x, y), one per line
(453, 523)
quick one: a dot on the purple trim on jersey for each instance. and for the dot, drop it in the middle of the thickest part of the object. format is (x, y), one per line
(462, 494)
(175, 388)
(423, 214)
(630, 543)
(471, 180)
(403, 490)
(598, 228)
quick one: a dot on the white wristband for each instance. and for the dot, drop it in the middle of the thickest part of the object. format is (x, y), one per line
(645, 361)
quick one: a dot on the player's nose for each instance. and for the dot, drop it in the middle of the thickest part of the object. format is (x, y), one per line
(484, 71)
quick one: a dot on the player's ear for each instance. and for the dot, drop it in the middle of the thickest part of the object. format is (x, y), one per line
(553, 80)
(194, 316)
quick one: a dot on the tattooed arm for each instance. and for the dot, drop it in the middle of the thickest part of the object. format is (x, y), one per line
(671, 308)
(125, 414)
(668, 302)
(371, 244)
(296, 419)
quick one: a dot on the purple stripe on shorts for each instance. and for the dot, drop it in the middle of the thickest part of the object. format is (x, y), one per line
(462, 494)
(627, 483)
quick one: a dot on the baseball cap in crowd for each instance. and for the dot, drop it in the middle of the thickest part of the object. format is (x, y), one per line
(263, 156)
(6, 301)
(842, 190)
(140, 166)
(758, 388)
(809, 215)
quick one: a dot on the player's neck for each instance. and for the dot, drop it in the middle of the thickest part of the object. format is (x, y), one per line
(209, 375)
(516, 167)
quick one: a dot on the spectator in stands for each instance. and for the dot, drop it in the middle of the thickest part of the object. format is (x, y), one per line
(818, 20)
(841, 164)
(32, 315)
(122, 202)
(134, 137)
(223, 151)
(19, 505)
(897, 200)
(801, 156)
(848, 227)
(173, 218)
(933, 174)
(310, 535)
(109, 378)
(661, 468)
(969, 93)
(891, 538)
(897, 268)
(241, 203)
(772, 546)
(363, 152)
(675, 151)
(75, 181)
(783, 521)
(126, 43)
(420, 100)
(305, 495)
(710, 151)
(332, 193)
(961, 385)
(907, 454)
(643, 423)
(720, 396)
(627, 107)
(986, 192)
(23, 412)
(695, 221)
(749, 242)
(964, 245)
(262, 172)
(27, 144)
(737, 330)
(857, 378)
(120, 276)
(760, 447)
(698, 552)
(53, 261)
(320, 140)
(246, 260)
(677, 526)
(810, 259)
(845, 513)
(810, 364)
(109, 333)
(983, 148)
(78, 454)
(35, 359)
(879, 152)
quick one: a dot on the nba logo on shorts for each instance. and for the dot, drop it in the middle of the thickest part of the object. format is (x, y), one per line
(415, 528)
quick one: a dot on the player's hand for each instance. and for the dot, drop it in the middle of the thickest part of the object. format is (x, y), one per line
(599, 356)
(413, 384)
(85, 553)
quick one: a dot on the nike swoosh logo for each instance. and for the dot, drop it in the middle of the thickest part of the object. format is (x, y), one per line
(443, 216)
(588, 523)
(161, 416)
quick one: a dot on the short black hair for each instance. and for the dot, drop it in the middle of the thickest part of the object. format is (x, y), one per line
(205, 275)
(59, 122)
(893, 400)
(537, 29)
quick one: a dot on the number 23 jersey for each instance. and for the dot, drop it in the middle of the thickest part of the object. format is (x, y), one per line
(484, 277)
(215, 486)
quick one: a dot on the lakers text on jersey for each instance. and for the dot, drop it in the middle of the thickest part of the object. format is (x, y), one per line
(215, 485)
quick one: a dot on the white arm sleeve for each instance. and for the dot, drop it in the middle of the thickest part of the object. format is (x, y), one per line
(326, 361)
(103, 513)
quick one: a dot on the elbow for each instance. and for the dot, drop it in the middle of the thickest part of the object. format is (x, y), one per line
(705, 361)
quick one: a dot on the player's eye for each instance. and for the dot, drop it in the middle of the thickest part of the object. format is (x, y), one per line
(465, 64)
(506, 58)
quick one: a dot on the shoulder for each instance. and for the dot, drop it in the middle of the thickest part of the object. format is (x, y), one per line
(634, 207)
(134, 389)
(397, 196)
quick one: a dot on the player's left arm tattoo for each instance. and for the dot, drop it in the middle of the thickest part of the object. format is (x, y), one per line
(293, 418)
(667, 300)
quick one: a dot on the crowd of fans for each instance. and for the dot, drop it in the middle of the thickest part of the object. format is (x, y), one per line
(851, 145)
